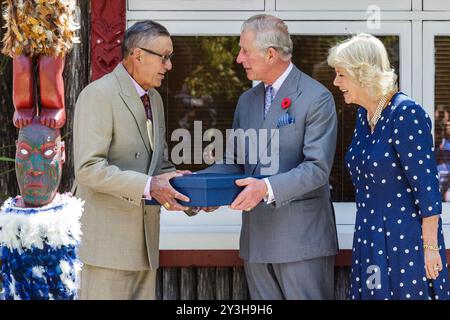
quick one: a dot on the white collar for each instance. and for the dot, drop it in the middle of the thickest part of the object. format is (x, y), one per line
(277, 84)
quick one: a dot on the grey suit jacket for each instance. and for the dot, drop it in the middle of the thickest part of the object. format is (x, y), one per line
(113, 159)
(300, 225)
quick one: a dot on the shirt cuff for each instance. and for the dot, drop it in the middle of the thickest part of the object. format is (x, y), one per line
(147, 189)
(270, 198)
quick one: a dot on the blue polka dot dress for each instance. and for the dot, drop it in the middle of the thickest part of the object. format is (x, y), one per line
(394, 173)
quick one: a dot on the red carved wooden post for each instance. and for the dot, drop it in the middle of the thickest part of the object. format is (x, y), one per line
(108, 28)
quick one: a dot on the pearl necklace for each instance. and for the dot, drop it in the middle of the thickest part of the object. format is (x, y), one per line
(377, 114)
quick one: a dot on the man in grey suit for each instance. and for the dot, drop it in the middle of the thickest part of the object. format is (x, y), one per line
(288, 238)
(121, 157)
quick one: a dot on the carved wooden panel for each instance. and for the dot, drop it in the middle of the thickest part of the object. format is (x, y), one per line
(108, 28)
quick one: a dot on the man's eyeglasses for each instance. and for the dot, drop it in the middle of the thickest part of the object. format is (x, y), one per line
(164, 58)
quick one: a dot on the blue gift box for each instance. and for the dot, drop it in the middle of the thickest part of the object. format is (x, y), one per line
(207, 189)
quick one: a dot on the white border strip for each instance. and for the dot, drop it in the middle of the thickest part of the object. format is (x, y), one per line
(220, 230)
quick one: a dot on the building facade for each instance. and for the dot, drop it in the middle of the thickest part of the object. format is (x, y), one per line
(206, 82)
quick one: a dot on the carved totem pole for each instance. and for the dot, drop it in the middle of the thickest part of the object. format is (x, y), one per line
(39, 34)
(39, 229)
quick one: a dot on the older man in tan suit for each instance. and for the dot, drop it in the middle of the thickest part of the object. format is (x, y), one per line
(121, 157)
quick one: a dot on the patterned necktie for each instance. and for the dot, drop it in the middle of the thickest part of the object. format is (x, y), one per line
(268, 99)
(148, 108)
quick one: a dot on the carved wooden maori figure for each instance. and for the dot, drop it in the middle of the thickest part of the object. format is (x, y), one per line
(108, 28)
(39, 34)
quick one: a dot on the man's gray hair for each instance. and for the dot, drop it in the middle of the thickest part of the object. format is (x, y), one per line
(270, 32)
(140, 34)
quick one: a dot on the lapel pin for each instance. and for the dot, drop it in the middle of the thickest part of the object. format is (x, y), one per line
(286, 103)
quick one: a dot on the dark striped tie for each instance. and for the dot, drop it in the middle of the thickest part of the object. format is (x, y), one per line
(147, 106)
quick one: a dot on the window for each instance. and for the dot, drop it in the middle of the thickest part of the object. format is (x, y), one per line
(417, 43)
(204, 85)
(442, 112)
(206, 82)
(310, 55)
(194, 44)
(436, 5)
(437, 70)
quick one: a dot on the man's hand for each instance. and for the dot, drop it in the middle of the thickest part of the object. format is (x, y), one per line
(251, 196)
(184, 171)
(161, 190)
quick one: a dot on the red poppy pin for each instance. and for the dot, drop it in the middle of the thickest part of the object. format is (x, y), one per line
(286, 103)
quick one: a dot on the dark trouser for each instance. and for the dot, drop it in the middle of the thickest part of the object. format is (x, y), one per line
(304, 280)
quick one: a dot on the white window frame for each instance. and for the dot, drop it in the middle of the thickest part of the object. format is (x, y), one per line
(436, 5)
(430, 30)
(189, 5)
(352, 5)
(220, 230)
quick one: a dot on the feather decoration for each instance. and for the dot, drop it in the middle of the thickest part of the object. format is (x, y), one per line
(39, 27)
(38, 249)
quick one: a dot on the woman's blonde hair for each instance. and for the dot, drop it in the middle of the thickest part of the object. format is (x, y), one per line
(366, 60)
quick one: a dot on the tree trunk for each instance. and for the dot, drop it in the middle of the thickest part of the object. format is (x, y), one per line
(76, 77)
(8, 133)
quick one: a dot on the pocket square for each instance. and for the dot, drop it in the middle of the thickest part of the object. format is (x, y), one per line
(285, 120)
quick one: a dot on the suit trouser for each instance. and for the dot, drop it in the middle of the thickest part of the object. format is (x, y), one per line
(110, 284)
(303, 280)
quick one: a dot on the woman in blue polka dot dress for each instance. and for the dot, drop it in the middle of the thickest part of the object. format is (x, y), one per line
(398, 244)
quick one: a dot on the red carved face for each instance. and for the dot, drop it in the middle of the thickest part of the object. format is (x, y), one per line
(39, 160)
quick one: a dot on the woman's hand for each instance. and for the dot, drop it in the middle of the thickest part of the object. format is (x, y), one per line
(433, 263)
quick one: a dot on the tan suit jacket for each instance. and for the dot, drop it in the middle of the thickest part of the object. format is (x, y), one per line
(113, 159)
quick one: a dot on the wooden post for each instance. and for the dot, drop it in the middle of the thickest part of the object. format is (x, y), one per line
(206, 283)
(239, 291)
(223, 283)
(170, 284)
(341, 282)
(188, 284)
